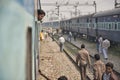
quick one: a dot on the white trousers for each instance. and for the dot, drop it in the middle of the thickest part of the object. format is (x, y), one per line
(105, 53)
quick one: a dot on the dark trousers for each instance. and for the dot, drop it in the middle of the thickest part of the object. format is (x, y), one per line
(61, 47)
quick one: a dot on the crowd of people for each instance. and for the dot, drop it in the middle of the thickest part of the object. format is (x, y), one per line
(101, 71)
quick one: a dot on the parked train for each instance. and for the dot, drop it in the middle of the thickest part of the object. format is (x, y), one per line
(53, 24)
(104, 23)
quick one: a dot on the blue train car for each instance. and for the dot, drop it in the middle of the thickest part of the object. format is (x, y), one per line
(74, 24)
(17, 40)
(92, 29)
(84, 22)
(65, 25)
(108, 24)
(52, 24)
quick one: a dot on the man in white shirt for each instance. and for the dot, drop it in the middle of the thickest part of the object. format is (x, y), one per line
(61, 41)
(105, 46)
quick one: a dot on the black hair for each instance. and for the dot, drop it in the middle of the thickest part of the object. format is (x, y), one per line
(82, 46)
(62, 78)
(41, 30)
(100, 35)
(109, 64)
(40, 11)
(97, 57)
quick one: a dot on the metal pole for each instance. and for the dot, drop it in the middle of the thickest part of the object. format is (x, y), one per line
(39, 4)
(94, 3)
(75, 10)
(58, 10)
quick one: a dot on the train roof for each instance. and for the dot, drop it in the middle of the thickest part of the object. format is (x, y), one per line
(108, 12)
(83, 16)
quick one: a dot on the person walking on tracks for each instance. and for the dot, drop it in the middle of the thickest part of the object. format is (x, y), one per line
(70, 36)
(100, 40)
(61, 41)
(105, 46)
(82, 60)
(98, 68)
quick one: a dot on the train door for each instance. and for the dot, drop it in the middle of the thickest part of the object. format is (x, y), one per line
(29, 55)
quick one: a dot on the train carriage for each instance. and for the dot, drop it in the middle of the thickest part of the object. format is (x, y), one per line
(84, 22)
(92, 30)
(65, 25)
(74, 24)
(108, 24)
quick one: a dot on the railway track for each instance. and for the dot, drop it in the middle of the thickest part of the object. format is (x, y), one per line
(71, 52)
(71, 55)
(92, 58)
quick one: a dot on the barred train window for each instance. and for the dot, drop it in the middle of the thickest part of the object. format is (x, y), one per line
(118, 26)
(115, 26)
(109, 26)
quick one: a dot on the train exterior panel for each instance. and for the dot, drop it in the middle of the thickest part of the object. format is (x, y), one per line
(111, 35)
(17, 40)
(92, 32)
(108, 24)
(53, 24)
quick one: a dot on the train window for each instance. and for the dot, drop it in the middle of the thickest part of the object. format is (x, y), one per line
(118, 26)
(87, 19)
(104, 26)
(77, 20)
(98, 25)
(101, 25)
(115, 26)
(93, 25)
(109, 26)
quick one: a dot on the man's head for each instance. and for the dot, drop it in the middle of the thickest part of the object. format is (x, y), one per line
(41, 30)
(82, 46)
(62, 78)
(109, 67)
(97, 57)
(41, 14)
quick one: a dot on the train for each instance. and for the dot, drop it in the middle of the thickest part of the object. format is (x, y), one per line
(19, 41)
(104, 23)
(52, 24)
